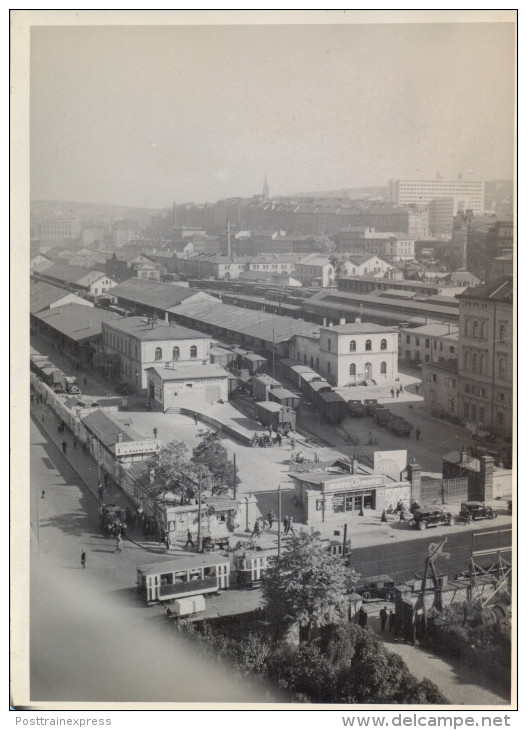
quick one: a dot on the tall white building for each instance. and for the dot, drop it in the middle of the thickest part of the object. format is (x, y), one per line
(421, 192)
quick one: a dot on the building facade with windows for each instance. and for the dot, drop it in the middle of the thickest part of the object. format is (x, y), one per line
(142, 342)
(430, 343)
(350, 353)
(422, 192)
(486, 352)
(440, 388)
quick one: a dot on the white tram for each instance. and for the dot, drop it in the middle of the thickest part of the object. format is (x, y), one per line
(189, 575)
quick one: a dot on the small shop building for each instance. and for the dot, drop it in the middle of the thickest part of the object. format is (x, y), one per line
(187, 386)
(329, 496)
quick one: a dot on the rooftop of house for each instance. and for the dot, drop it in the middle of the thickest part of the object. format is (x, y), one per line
(147, 330)
(359, 328)
(182, 371)
(153, 293)
(434, 329)
(76, 321)
(499, 290)
(109, 431)
(43, 295)
(261, 325)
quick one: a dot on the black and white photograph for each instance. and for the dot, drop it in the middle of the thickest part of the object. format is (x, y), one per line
(264, 295)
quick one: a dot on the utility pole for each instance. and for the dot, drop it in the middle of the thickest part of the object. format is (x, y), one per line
(273, 344)
(279, 518)
(199, 511)
(344, 539)
(234, 476)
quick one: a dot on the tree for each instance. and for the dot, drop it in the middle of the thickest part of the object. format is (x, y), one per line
(367, 672)
(306, 585)
(212, 455)
(171, 469)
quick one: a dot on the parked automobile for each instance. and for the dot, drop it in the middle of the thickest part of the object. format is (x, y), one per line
(376, 586)
(356, 408)
(123, 389)
(431, 517)
(477, 511)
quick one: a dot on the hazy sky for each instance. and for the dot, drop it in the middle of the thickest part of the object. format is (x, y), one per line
(148, 115)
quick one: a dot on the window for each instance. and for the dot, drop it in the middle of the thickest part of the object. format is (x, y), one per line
(465, 410)
(353, 369)
(193, 351)
(383, 368)
(474, 363)
(329, 367)
(451, 404)
(435, 345)
(311, 361)
(427, 342)
(329, 344)
(475, 329)
(501, 367)
(467, 328)
(417, 341)
(353, 346)
(499, 417)
(305, 359)
(482, 414)
(473, 414)
(159, 353)
(384, 344)
(407, 339)
(427, 358)
(503, 333)
(482, 364)
(175, 353)
(368, 345)
(483, 334)
(451, 349)
(318, 363)
(434, 378)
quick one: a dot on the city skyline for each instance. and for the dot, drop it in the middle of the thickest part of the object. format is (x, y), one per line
(144, 115)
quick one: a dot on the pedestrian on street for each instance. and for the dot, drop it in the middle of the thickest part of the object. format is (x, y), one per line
(417, 434)
(384, 617)
(155, 432)
(393, 393)
(64, 447)
(391, 622)
(363, 618)
(278, 439)
(83, 559)
(293, 444)
(118, 543)
(270, 519)
(256, 530)
(290, 526)
(384, 518)
(398, 392)
(286, 524)
(168, 542)
(401, 515)
(189, 540)
(43, 494)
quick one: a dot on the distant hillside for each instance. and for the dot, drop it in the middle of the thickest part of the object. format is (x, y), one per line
(353, 193)
(45, 208)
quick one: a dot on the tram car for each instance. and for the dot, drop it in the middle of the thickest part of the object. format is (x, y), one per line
(188, 575)
(250, 565)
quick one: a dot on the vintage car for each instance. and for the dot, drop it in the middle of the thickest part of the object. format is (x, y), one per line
(376, 586)
(476, 511)
(431, 517)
